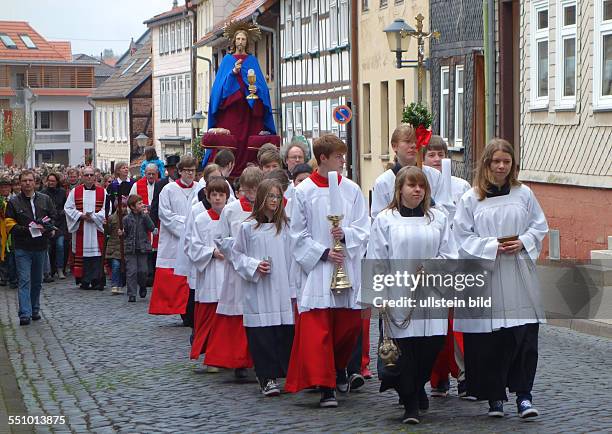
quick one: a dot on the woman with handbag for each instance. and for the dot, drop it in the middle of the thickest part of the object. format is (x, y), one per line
(411, 231)
(500, 223)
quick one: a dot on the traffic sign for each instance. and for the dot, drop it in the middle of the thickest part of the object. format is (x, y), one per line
(342, 114)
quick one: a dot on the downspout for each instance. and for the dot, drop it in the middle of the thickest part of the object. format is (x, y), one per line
(93, 133)
(31, 101)
(277, 80)
(210, 71)
(354, 23)
(194, 66)
(489, 48)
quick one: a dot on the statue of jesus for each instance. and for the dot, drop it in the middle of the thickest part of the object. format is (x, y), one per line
(229, 108)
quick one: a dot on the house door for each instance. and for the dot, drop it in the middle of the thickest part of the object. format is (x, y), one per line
(478, 120)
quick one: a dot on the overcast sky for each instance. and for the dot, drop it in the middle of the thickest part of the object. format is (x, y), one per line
(89, 25)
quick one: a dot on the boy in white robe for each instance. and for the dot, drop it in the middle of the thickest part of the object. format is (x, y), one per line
(403, 142)
(227, 344)
(209, 264)
(329, 323)
(171, 292)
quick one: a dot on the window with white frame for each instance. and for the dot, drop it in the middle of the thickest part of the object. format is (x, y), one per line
(297, 27)
(99, 123)
(315, 120)
(172, 39)
(333, 23)
(113, 125)
(459, 76)
(289, 122)
(344, 22)
(602, 62)
(160, 40)
(104, 123)
(162, 99)
(539, 54)
(188, 109)
(565, 85)
(288, 29)
(179, 36)
(444, 101)
(125, 124)
(298, 119)
(181, 97)
(119, 112)
(334, 125)
(314, 28)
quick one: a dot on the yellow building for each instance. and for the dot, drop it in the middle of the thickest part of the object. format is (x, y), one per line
(383, 89)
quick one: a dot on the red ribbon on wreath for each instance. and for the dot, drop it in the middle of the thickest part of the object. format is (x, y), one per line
(423, 135)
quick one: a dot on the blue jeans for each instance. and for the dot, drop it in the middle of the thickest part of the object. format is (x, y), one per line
(116, 273)
(59, 251)
(29, 266)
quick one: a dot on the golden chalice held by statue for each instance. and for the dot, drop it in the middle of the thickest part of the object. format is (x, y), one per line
(252, 88)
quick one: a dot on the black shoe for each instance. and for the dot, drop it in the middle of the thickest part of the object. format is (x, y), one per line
(355, 382)
(142, 292)
(36, 316)
(241, 373)
(328, 398)
(411, 417)
(342, 383)
(24, 321)
(48, 279)
(85, 286)
(13, 285)
(132, 299)
(423, 401)
(3, 283)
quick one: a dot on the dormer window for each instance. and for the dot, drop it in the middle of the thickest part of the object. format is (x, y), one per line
(8, 42)
(28, 41)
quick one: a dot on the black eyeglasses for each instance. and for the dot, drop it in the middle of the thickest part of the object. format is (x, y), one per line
(88, 174)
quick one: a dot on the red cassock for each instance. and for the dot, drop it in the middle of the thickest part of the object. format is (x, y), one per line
(227, 343)
(324, 341)
(445, 362)
(204, 315)
(143, 191)
(170, 293)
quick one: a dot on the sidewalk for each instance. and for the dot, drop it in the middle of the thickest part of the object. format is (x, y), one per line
(11, 399)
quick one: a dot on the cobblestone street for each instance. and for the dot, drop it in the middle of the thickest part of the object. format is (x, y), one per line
(108, 366)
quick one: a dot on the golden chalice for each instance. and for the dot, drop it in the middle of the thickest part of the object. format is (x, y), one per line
(252, 88)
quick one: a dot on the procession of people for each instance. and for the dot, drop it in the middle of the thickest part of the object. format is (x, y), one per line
(262, 255)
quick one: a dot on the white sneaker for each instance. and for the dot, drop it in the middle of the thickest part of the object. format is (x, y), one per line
(60, 274)
(115, 290)
(271, 388)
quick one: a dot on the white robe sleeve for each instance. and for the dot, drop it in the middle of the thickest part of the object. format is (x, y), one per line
(134, 189)
(200, 252)
(378, 244)
(245, 265)
(100, 216)
(357, 232)
(447, 248)
(537, 228)
(379, 198)
(307, 251)
(72, 214)
(469, 243)
(173, 222)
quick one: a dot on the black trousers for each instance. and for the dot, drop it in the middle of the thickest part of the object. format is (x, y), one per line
(270, 349)
(92, 272)
(418, 355)
(151, 259)
(504, 358)
(187, 317)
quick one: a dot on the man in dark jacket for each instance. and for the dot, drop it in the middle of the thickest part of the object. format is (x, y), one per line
(31, 218)
(56, 250)
(173, 175)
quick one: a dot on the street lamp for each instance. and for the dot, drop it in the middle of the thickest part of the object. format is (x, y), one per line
(141, 141)
(398, 36)
(197, 122)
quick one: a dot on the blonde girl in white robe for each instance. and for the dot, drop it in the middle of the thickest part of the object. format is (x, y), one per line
(412, 231)
(262, 257)
(499, 222)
